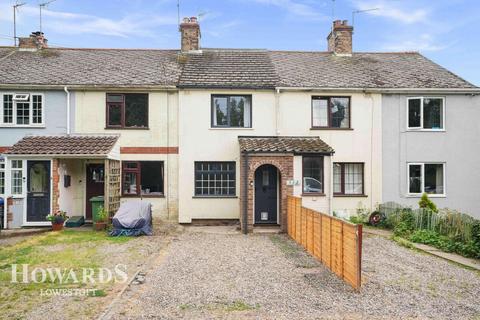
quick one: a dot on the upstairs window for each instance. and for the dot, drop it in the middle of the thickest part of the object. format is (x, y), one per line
(142, 178)
(313, 175)
(331, 112)
(426, 113)
(426, 177)
(128, 110)
(22, 109)
(231, 111)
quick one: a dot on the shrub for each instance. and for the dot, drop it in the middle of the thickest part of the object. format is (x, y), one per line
(425, 202)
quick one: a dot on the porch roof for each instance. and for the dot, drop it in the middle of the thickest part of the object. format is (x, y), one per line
(283, 144)
(65, 146)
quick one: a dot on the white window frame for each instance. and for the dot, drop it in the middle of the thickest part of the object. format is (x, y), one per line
(3, 165)
(23, 180)
(421, 128)
(14, 110)
(422, 179)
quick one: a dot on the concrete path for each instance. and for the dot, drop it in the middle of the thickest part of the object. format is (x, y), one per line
(468, 262)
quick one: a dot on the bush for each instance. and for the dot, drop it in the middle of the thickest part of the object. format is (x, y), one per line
(426, 203)
(406, 224)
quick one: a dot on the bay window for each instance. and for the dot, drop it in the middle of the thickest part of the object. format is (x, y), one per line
(22, 109)
(142, 178)
(425, 113)
(231, 111)
(426, 178)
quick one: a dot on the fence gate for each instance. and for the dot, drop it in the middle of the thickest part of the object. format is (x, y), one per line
(335, 242)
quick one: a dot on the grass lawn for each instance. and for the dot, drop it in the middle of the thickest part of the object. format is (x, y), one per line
(68, 249)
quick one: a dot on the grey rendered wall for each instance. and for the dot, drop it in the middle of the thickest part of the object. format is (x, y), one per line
(55, 118)
(458, 147)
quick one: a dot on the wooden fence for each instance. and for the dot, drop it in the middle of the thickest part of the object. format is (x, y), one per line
(335, 242)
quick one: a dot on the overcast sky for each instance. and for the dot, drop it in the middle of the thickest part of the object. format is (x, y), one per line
(446, 31)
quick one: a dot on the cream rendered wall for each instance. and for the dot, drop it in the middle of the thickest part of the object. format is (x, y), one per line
(362, 144)
(199, 142)
(72, 199)
(90, 117)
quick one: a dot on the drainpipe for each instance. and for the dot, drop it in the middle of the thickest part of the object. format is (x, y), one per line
(277, 111)
(68, 108)
(6, 193)
(245, 194)
(330, 182)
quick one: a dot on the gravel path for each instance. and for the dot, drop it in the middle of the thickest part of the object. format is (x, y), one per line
(232, 276)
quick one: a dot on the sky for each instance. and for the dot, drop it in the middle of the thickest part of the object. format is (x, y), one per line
(446, 31)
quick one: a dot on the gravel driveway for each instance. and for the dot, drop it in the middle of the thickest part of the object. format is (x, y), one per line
(232, 276)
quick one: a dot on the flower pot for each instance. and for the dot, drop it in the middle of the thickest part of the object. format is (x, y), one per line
(99, 226)
(57, 226)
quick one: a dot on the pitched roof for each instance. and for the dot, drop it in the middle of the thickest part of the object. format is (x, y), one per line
(93, 145)
(95, 67)
(229, 68)
(282, 144)
(362, 70)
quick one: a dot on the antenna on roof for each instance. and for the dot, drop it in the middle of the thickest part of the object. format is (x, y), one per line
(178, 12)
(361, 11)
(15, 8)
(43, 5)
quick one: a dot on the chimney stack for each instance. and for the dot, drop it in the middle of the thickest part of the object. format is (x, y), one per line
(190, 30)
(340, 38)
(35, 41)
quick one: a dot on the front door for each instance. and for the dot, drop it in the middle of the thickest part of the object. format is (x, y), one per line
(38, 190)
(266, 194)
(95, 185)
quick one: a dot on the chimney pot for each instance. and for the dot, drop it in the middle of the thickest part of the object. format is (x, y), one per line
(190, 34)
(340, 38)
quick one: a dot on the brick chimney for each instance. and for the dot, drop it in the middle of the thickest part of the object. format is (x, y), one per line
(190, 30)
(340, 38)
(35, 41)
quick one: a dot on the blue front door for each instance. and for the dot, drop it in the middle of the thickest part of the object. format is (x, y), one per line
(266, 200)
(38, 190)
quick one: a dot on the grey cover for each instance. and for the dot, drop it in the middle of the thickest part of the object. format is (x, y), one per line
(133, 216)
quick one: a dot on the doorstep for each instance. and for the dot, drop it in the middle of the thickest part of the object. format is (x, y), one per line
(10, 233)
(267, 229)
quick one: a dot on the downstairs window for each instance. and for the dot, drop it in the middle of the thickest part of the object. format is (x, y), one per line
(426, 178)
(142, 178)
(215, 179)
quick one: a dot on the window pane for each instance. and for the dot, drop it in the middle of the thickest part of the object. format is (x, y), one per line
(415, 178)
(37, 109)
(8, 108)
(340, 110)
(17, 182)
(432, 113)
(237, 114)
(23, 113)
(17, 164)
(320, 112)
(151, 177)
(114, 98)
(130, 183)
(337, 178)
(414, 113)
(2, 182)
(38, 177)
(215, 178)
(434, 178)
(136, 110)
(312, 174)
(114, 115)
(353, 178)
(220, 111)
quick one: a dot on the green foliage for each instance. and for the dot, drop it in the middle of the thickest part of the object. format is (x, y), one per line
(102, 215)
(406, 224)
(425, 202)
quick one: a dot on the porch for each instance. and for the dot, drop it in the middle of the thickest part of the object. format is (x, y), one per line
(45, 174)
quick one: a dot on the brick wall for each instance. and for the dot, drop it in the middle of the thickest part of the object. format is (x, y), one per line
(55, 182)
(9, 211)
(284, 164)
(340, 40)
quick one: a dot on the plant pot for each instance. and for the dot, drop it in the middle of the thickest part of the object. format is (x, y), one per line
(57, 226)
(99, 226)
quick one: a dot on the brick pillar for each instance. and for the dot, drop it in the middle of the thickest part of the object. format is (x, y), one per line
(55, 182)
(9, 205)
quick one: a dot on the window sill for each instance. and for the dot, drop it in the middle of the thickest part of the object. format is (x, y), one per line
(326, 128)
(142, 196)
(429, 195)
(23, 126)
(214, 197)
(229, 128)
(350, 196)
(122, 128)
(313, 195)
(425, 130)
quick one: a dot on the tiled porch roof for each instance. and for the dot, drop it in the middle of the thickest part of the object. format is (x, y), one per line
(283, 144)
(68, 145)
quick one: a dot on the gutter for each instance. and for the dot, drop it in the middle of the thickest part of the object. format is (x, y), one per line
(473, 91)
(116, 88)
(68, 108)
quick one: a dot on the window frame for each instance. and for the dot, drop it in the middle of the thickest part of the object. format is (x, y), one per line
(322, 193)
(228, 96)
(195, 195)
(4, 178)
(422, 180)
(22, 172)
(123, 111)
(138, 173)
(421, 128)
(14, 110)
(329, 113)
(342, 181)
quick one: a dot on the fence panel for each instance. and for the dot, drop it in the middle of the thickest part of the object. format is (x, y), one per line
(335, 242)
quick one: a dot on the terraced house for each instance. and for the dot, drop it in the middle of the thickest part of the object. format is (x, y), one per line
(226, 134)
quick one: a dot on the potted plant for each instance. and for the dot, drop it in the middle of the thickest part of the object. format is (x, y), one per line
(101, 218)
(57, 219)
